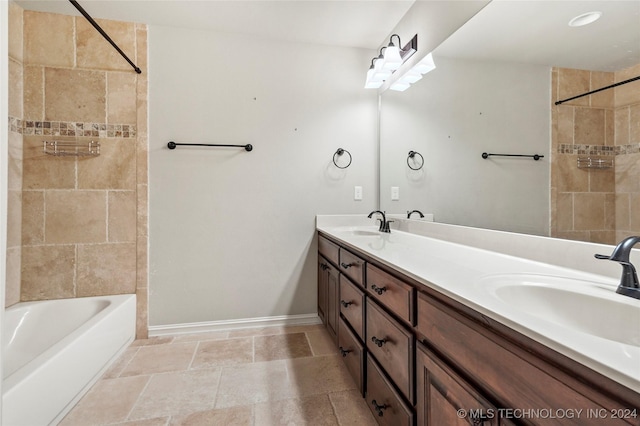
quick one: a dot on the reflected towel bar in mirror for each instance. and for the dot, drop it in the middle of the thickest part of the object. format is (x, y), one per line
(173, 145)
(536, 157)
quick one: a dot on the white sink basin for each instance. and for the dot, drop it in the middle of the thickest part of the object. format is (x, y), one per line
(583, 306)
(358, 231)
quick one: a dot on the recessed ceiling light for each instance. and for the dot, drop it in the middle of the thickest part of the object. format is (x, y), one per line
(585, 19)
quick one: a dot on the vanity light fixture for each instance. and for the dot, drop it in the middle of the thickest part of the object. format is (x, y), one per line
(585, 19)
(390, 58)
(425, 65)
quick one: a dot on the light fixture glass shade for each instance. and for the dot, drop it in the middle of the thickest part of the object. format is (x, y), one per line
(400, 86)
(411, 76)
(370, 83)
(425, 65)
(392, 58)
(380, 74)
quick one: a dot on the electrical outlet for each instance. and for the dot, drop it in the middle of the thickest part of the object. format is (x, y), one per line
(357, 193)
(395, 193)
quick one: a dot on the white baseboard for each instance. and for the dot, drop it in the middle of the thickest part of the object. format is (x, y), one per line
(225, 325)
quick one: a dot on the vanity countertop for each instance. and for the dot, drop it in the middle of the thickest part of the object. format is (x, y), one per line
(468, 275)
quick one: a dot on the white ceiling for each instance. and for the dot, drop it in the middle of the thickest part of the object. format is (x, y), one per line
(351, 23)
(538, 32)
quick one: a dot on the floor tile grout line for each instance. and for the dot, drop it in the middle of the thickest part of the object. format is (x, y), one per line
(124, 367)
(313, 353)
(193, 357)
(333, 407)
(128, 417)
(215, 399)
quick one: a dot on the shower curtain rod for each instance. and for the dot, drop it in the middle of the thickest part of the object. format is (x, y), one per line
(599, 90)
(105, 35)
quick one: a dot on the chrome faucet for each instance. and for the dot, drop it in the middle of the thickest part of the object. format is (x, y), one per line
(384, 224)
(409, 213)
(629, 285)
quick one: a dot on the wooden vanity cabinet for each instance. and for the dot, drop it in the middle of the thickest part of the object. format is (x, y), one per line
(444, 398)
(419, 356)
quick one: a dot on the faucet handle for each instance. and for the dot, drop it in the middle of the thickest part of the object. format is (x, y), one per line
(602, 256)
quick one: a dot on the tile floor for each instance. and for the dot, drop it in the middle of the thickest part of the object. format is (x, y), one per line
(270, 376)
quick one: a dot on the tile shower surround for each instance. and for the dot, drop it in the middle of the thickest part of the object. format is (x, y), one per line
(84, 226)
(270, 376)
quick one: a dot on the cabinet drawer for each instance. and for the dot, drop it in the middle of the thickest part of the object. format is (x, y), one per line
(392, 346)
(387, 406)
(352, 266)
(391, 292)
(328, 250)
(352, 305)
(510, 373)
(352, 354)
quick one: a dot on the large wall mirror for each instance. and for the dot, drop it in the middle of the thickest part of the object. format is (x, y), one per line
(493, 90)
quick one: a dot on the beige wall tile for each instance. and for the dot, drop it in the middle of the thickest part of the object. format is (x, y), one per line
(75, 217)
(602, 180)
(121, 98)
(610, 127)
(106, 269)
(589, 126)
(606, 98)
(94, 52)
(33, 93)
(142, 313)
(634, 123)
(610, 212)
(113, 169)
(574, 235)
(14, 218)
(622, 211)
(570, 177)
(122, 216)
(33, 217)
(12, 283)
(588, 211)
(42, 171)
(628, 93)
(142, 211)
(634, 208)
(622, 126)
(15, 89)
(573, 82)
(75, 95)
(627, 173)
(564, 220)
(15, 31)
(565, 124)
(142, 244)
(141, 48)
(15, 166)
(48, 39)
(47, 272)
(603, 237)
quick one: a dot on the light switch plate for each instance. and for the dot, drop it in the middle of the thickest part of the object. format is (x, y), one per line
(395, 193)
(357, 193)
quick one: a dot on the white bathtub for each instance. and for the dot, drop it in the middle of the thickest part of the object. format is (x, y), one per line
(53, 351)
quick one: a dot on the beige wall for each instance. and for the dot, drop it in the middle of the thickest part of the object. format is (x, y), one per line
(593, 204)
(84, 219)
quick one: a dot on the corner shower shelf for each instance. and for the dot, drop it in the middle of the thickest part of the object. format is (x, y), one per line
(595, 163)
(72, 149)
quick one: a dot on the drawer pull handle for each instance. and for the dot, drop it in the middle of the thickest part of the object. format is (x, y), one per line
(344, 352)
(345, 303)
(379, 342)
(348, 265)
(379, 408)
(324, 266)
(479, 419)
(378, 290)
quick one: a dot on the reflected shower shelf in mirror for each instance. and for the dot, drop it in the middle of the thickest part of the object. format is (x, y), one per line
(595, 163)
(72, 148)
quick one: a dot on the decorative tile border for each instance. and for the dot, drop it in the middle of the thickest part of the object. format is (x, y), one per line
(71, 128)
(600, 150)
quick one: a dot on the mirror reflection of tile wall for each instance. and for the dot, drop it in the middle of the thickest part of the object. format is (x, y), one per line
(595, 204)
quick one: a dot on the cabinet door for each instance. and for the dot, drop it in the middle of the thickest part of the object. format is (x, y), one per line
(333, 300)
(445, 399)
(323, 264)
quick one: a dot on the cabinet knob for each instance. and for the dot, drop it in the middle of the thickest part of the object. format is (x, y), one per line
(344, 352)
(378, 290)
(345, 303)
(379, 408)
(379, 342)
(348, 265)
